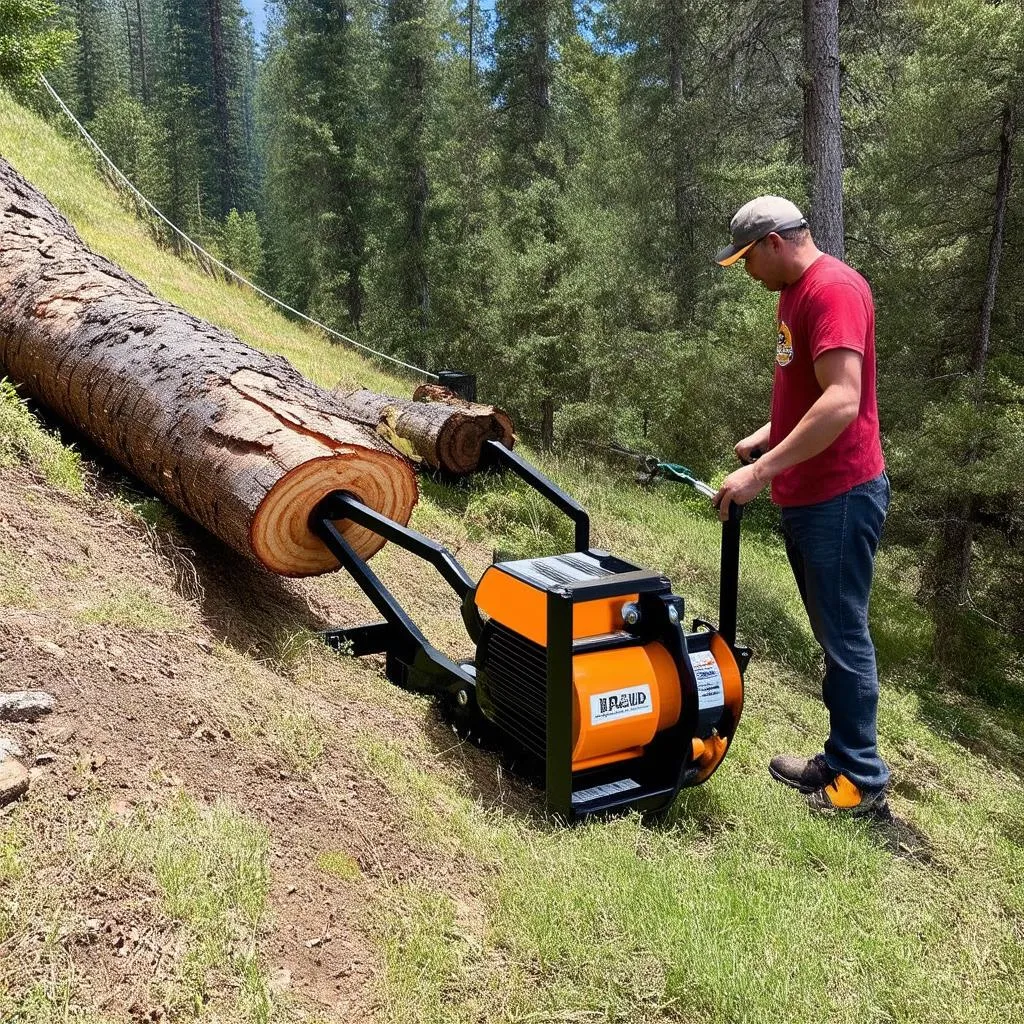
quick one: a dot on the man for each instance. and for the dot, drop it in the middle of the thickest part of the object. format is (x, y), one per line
(822, 455)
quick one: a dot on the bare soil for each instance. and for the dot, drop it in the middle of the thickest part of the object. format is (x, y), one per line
(145, 709)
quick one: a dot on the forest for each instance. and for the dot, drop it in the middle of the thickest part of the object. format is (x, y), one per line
(532, 191)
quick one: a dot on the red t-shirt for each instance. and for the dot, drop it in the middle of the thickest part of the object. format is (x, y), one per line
(829, 307)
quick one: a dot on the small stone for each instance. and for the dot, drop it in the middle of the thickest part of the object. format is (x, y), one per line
(14, 780)
(46, 757)
(43, 644)
(280, 981)
(25, 705)
(9, 748)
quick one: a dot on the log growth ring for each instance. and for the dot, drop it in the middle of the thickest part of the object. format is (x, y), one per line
(461, 440)
(281, 534)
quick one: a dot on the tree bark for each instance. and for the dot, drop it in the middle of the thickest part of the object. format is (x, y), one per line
(436, 427)
(823, 138)
(236, 439)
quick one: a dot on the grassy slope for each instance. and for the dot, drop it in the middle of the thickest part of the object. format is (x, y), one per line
(740, 907)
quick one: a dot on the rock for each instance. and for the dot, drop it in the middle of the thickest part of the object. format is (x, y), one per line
(280, 981)
(14, 779)
(25, 705)
(48, 646)
(9, 748)
(46, 757)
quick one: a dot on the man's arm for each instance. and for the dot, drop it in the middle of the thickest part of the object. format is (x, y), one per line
(757, 441)
(838, 371)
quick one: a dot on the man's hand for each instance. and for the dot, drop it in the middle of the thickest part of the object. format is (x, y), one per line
(742, 486)
(758, 440)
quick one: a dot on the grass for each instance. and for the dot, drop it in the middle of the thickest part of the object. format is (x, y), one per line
(738, 907)
(16, 590)
(206, 870)
(130, 607)
(209, 865)
(24, 442)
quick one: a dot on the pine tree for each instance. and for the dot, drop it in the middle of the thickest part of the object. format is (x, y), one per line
(937, 193)
(409, 44)
(313, 123)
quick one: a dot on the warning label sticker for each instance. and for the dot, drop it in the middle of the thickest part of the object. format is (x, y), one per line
(710, 690)
(624, 703)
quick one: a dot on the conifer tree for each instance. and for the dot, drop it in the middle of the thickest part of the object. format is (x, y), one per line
(938, 194)
(316, 192)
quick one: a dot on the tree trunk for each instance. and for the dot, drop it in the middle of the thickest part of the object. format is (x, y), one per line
(131, 47)
(220, 98)
(236, 439)
(547, 424)
(436, 428)
(449, 432)
(979, 357)
(823, 139)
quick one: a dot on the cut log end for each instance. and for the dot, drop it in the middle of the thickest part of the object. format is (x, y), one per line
(461, 437)
(281, 536)
(461, 440)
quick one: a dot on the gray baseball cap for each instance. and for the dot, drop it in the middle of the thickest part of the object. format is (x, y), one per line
(759, 217)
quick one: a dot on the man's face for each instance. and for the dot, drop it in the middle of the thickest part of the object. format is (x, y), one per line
(763, 262)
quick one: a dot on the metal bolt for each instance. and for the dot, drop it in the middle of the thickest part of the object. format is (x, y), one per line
(630, 613)
(462, 698)
(673, 615)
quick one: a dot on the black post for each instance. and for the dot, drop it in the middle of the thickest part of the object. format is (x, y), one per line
(459, 383)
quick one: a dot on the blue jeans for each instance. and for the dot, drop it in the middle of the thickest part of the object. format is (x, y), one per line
(831, 547)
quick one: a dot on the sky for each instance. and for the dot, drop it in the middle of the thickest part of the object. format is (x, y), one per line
(259, 18)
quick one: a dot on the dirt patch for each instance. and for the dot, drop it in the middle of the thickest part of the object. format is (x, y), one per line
(144, 661)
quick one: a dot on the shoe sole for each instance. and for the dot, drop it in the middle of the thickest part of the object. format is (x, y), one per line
(798, 786)
(877, 814)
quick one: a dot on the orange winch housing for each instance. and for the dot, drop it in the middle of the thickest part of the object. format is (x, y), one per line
(623, 696)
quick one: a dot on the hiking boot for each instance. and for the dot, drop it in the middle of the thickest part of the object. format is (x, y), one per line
(841, 796)
(806, 775)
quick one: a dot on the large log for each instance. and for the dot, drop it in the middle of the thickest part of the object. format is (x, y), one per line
(236, 439)
(437, 428)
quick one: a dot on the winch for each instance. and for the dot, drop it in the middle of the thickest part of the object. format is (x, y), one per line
(583, 664)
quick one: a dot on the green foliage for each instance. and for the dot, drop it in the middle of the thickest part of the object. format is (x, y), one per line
(23, 441)
(243, 244)
(132, 137)
(29, 42)
(952, 412)
(316, 194)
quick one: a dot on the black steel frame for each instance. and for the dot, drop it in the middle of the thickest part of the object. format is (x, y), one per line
(413, 662)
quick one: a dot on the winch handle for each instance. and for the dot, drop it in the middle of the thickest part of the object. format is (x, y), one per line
(729, 568)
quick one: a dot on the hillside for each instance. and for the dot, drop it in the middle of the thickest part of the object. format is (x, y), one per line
(229, 823)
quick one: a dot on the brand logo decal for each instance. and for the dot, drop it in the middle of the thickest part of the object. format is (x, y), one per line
(784, 345)
(624, 703)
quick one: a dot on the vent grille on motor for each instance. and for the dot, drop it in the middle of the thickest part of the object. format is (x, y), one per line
(516, 684)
